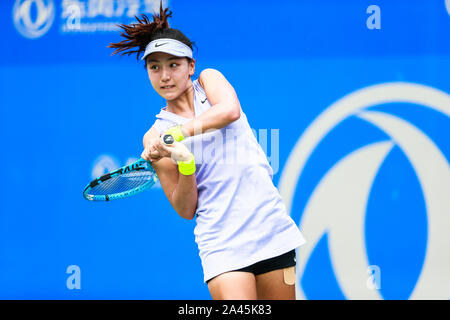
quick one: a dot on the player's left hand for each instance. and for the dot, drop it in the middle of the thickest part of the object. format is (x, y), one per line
(176, 151)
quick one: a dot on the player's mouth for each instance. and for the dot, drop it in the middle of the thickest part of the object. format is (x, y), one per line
(167, 87)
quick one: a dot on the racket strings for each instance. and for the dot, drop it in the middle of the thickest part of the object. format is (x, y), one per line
(121, 183)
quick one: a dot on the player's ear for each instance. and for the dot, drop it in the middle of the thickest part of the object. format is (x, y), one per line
(192, 67)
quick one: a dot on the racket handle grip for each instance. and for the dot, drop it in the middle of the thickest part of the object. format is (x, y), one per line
(168, 139)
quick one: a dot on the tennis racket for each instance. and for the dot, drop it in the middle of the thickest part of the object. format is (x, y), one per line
(124, 182)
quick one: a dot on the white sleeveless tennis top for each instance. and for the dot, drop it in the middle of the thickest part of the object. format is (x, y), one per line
(240, 216)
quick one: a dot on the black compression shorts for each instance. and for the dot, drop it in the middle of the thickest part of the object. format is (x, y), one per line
(279, 262)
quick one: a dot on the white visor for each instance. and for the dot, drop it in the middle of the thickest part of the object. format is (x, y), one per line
(171, 46)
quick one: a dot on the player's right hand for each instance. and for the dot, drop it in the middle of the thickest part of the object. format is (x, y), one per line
(150, 152)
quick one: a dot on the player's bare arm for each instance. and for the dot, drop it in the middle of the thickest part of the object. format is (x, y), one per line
(225, 106)
(180, 190)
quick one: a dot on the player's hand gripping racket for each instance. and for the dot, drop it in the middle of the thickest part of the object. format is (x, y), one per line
(126, 181)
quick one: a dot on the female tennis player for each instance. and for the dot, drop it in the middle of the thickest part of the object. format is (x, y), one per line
(246, 239)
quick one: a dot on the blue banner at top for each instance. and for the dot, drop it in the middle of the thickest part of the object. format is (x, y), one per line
(52, 31)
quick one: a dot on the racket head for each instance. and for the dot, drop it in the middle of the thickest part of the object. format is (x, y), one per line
(121, 183)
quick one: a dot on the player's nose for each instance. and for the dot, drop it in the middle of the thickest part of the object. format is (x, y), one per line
(165, 75)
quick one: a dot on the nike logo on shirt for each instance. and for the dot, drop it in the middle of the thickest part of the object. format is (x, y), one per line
(204, 100)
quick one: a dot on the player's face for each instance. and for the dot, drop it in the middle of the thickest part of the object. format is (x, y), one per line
(169, 74)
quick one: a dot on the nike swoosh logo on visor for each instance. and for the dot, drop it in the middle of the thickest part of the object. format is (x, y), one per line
(160, 44)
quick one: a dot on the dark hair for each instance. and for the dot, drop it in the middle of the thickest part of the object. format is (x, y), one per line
(139, 35)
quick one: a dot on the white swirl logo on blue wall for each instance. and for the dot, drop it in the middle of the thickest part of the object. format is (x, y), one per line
(337, 215)
(104, 164)
(33, 18)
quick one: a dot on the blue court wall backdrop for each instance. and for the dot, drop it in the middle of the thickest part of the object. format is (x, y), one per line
(350, 100)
